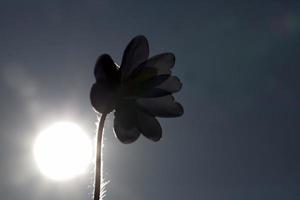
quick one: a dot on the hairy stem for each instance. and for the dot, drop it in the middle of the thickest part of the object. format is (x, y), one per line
(98, 158)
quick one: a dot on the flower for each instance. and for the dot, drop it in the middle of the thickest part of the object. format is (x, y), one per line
(139, 91)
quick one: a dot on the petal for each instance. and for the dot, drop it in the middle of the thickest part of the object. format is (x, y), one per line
(161, 107)
(162, 63)
(102, 98)
(154, 93)
(126, 136)
(140, 88)
(172, 84)
(144, 75)
(151, 93)
(136, 52)
(149, 126)
(125, 123)
(105, 69)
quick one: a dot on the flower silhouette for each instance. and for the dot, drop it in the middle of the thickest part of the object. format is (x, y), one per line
(139, 91)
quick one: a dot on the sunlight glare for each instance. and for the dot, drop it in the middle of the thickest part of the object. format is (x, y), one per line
(62, 151)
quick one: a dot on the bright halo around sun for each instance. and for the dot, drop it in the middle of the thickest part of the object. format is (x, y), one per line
(62, 151)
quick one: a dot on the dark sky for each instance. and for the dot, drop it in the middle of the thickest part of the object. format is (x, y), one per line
(239, 62)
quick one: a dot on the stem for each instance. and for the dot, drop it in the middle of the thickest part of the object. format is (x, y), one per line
(98, 158)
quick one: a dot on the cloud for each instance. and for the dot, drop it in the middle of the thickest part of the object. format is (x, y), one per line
(18, 79)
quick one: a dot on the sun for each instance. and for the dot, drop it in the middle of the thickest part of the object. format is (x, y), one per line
(62, 151)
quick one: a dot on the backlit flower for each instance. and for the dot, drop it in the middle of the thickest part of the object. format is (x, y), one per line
(139, 91)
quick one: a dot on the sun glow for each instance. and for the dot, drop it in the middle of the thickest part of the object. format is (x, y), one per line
(62, 151)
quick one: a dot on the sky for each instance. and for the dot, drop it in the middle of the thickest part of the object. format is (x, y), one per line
(239, 64)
